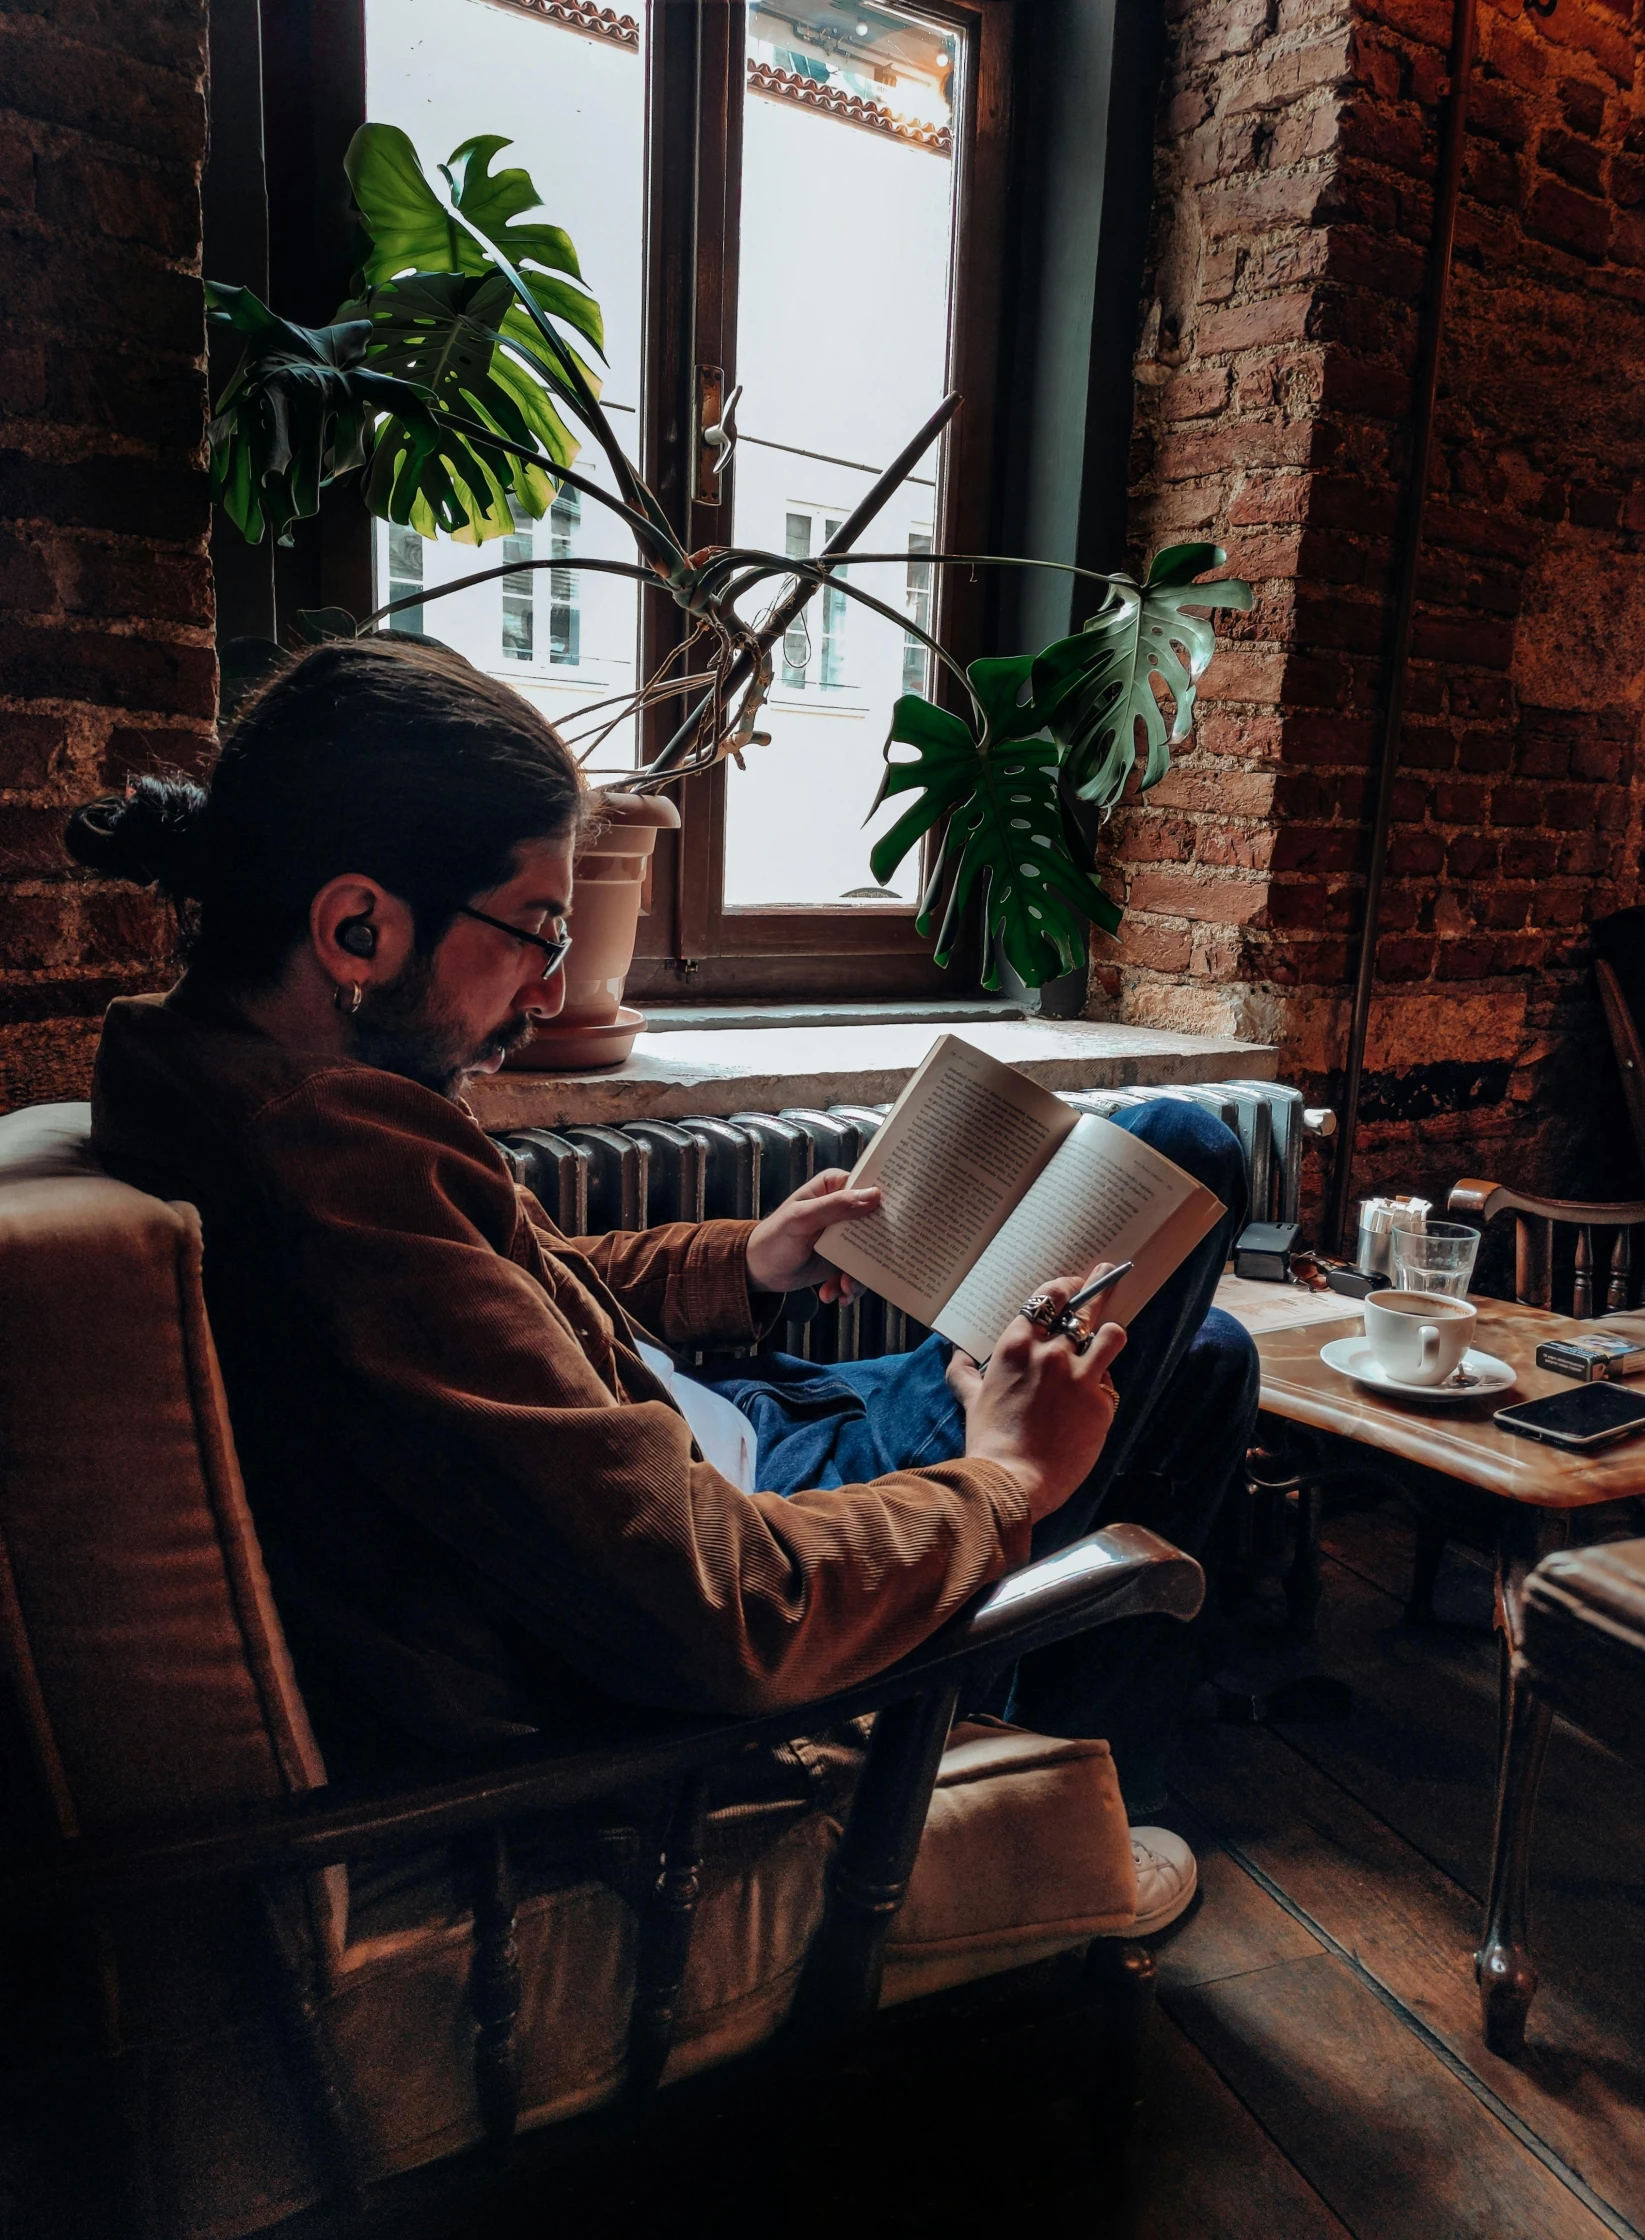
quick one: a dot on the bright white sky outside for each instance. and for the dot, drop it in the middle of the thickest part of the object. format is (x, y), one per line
(842, 342)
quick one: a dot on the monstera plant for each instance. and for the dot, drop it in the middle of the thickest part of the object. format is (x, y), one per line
(452, 384)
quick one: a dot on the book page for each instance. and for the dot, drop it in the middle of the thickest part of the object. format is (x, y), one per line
(955, 1153)
(1104, 1196)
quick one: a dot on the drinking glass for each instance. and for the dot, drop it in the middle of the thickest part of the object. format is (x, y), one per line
(1438, 1258)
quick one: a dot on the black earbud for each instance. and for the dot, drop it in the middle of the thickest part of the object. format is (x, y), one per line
(358, 936)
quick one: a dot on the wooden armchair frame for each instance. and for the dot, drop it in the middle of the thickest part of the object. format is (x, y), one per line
(1122, 1572)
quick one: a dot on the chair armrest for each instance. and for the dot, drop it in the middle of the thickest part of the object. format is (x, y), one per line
(1122, 1572)
(1487, 1199)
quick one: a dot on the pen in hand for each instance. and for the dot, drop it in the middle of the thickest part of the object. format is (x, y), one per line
(1098, 1286)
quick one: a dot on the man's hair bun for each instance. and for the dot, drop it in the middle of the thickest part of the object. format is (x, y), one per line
(150, 836)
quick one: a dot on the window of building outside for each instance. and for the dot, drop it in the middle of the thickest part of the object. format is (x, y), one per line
(838, 149)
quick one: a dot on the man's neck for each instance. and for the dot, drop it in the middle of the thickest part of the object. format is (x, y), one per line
(297, 1012)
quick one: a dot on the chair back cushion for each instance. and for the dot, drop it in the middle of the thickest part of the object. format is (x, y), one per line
(143, 1649)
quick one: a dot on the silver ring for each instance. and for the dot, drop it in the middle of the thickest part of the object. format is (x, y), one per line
(1042, 1310)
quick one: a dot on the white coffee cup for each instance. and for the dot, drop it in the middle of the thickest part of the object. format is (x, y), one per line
(1418, 1336)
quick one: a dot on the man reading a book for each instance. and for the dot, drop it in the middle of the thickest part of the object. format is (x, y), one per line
(475, 1480)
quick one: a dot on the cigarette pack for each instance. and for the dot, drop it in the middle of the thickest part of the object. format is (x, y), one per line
(1592, 1359)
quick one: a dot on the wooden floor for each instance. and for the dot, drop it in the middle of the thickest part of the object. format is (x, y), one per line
(1318, 2065)
(1322, 2069)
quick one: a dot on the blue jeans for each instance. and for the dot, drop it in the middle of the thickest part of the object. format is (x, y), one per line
(1187, 1383)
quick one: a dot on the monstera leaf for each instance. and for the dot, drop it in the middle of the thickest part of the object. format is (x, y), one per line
(1004, 828)
(1092, 691)
(411, 229)
(442, 332)
(296, 413)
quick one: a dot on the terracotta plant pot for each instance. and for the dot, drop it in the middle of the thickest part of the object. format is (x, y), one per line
(613, 886)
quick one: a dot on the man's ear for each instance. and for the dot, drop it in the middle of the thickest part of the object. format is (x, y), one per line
(360, 933)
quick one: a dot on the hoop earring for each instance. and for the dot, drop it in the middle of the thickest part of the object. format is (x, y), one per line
(355, 998)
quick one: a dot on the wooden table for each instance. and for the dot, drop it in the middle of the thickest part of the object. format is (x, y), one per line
(1537, 1492)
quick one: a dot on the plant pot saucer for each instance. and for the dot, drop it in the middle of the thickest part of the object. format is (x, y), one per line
(579, 1049)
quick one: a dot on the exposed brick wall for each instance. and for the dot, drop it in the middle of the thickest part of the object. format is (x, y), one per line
(1298, 148)
(106, 659)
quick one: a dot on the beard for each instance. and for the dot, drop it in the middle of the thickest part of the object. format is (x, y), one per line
(405, 1029)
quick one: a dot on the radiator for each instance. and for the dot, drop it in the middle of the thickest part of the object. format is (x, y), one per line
(592, 1179)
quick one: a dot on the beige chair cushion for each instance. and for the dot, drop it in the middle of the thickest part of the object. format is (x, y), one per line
(1026, 1853)
(135, 1613)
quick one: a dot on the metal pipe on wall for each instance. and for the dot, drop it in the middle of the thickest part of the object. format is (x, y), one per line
(1436, 299)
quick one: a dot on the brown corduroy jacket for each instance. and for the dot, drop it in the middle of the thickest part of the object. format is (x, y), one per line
(481, 1511)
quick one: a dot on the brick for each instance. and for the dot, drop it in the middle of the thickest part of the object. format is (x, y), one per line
(126, 201)
(119, 672)
(1260, 204)
(1316, 848)
(1290, 71)
(16, 169)
(1339, 621)
(1495, 112)
(1248, 326)
(33, 748)
(1191, 395)
(103, 292)
(1268, 498)
(115, 97)
(1558, 214)
(1627, 181)
(1582, 105)
(1183, 894)
(170, 33)
(114, 493)
(1574, 158)
(1160, 948)
(25, 576)
(1583, 30)
(112, 581)
(1426, 20)
(1190, 452)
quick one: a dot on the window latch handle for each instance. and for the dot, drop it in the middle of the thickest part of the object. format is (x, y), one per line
(717, 437)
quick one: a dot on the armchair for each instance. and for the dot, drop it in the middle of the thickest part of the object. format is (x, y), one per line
(196, 1916)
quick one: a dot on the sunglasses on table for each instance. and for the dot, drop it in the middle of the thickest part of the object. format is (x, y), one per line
(554, 948)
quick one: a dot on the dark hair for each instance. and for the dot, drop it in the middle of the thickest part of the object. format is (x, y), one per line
(396, 760)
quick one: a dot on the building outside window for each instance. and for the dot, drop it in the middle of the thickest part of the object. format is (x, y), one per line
(916, 662)
(405, 575)
(565, 624)
(797, 638)
(518, 592)
(835, 607)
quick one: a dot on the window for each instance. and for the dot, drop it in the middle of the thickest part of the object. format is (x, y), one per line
(916, 661)
(795, 195)
(404, 552)
(564, 616)
(518, 612)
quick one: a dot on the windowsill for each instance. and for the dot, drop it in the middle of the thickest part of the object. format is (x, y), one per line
(859, 1059)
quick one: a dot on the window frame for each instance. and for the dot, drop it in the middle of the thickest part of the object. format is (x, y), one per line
(691, 941)
(314, 98)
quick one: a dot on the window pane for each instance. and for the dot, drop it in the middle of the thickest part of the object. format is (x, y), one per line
(842, 343)
(573, 104)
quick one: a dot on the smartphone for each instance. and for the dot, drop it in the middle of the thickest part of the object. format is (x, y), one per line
(1589, 1415)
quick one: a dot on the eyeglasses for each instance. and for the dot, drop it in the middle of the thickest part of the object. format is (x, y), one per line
(554, 952)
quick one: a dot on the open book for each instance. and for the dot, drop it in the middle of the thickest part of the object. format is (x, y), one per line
(991, 1185)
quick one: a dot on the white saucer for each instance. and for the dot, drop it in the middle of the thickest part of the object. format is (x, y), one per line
(1353, 1356)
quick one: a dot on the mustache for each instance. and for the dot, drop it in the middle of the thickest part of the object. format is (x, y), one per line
(511, 1035)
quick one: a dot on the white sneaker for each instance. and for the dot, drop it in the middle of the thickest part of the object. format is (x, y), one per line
(1167, 1878)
